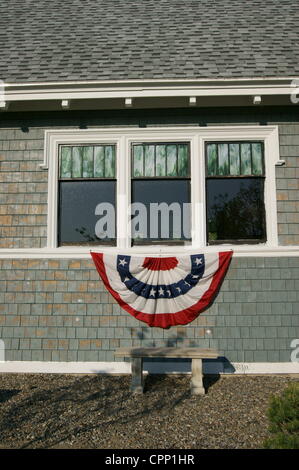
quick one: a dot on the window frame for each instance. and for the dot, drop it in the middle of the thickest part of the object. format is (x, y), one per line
(164, 242)
(109, 242)
(239, 176)
(122, 138)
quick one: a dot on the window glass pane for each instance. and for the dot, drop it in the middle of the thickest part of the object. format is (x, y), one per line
(257, 159)
(212, 159)
(172, 221)
(77, 203)
(234, 158)
(99, 162)
(138, 161)
(235, 209)
(171, 160)
(66, 162)
(77, 162)
(87, 162)
(223, 160)
(246, 159)
(109, 161)
(183, 160)
(160, 160)
(149, 160)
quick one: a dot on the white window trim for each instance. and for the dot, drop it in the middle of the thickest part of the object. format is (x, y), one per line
(197, 136)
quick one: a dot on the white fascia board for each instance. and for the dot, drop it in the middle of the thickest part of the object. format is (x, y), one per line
(147, 89)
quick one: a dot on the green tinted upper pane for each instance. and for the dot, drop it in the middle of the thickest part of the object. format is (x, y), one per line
(223, 159)
(245, 159)
(109, 161)
(183, 160)
(235, 159)
(212, 159)
(149, 160)
(138, 161)
(99, 162)
(160, 160)
(77, 160)
(66, 162)
(87, 161)
(171, 160)
(257, 159)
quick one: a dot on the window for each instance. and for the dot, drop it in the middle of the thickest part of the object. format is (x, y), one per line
(235, 176)
(217, 185)
(86, 179)
(160, 192)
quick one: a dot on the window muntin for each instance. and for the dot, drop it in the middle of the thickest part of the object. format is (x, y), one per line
(156, 160)
(235, 180)
(87, 177)
(197, 137)
(87, 161)
(161, 183)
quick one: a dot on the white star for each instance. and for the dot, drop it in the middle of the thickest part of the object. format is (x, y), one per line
(195, 277)
(161, 291)
(152, 292)
(168, 292)
(178, 289)
(126, 279)
(122, 262)
(187, 284)
(198, 261)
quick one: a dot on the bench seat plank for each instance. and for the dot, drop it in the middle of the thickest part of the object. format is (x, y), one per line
(196, 353)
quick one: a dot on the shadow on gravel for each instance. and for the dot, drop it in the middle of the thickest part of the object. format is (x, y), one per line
(154, 382)
(50, 416)
(209, 381)
(7, 394)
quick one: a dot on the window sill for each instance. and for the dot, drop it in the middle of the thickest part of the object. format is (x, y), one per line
(83, 252)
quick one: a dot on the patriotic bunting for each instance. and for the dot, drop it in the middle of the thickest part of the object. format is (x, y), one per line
(163, 292)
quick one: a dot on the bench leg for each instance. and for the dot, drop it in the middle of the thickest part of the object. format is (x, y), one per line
(137, 376)
(196, 378)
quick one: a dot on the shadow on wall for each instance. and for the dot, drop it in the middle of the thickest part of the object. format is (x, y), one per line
(172, 365)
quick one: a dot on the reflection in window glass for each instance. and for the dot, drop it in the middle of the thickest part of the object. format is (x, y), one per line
(161, 186)
(86, 179)
(235, 209)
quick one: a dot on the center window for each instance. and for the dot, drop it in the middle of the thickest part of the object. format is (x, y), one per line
(160, 193)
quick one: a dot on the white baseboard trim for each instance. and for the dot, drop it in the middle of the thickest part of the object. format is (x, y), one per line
(171, 367)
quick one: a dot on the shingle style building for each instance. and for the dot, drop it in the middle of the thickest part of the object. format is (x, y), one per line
(125, 73)
(147, 39)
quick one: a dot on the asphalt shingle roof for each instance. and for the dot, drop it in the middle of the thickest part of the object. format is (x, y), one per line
(57, 40)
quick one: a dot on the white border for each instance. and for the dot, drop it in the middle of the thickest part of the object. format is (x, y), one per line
(209, 367)
(123, 137)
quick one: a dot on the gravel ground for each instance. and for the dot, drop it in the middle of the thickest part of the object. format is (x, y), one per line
(98, 411)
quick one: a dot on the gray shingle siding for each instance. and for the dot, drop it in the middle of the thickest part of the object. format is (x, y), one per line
(42, 319)
(59, 310)
(23, 189)
(147, 39)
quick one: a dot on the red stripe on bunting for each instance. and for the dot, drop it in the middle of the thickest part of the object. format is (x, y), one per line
(166, 320)
(160, 264)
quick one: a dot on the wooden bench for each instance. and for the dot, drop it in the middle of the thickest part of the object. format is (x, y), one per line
(196, 354)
